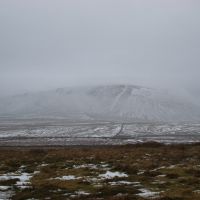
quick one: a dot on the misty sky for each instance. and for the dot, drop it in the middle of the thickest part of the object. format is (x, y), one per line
(46, 44)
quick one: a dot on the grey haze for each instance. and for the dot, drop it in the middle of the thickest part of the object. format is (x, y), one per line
(48, 44)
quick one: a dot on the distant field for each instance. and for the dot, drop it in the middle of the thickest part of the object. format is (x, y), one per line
(40, 132)
(142, 171)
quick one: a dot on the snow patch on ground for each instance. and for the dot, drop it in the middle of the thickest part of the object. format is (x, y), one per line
(3, 187)
(82, 193)
(44, 165)
(196, 191)
(67, 178)
(111, 175)
(79, 193)
(145, 193)
(24, 178)
(23, 181)
(5, 195)
(114, 183)
(92, 166)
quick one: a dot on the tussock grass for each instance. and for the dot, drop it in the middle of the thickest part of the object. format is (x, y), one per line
(171, 170)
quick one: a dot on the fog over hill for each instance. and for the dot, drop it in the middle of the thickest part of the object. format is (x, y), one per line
(108, 102)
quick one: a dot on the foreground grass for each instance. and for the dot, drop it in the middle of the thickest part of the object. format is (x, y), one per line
(148, 171)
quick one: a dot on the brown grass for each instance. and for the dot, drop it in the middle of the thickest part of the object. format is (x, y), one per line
(174, 170)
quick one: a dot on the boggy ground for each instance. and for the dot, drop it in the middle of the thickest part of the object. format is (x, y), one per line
(143, 171)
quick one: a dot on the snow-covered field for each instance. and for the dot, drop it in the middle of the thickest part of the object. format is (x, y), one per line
(32, 132)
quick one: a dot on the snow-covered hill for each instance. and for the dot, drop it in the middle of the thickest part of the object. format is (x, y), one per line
(113, 102)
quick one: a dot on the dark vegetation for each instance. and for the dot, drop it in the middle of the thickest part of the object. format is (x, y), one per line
(172, 172)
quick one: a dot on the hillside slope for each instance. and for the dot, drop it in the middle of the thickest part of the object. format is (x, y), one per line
(113, 102)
